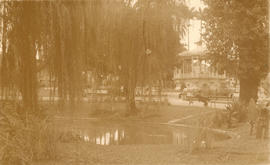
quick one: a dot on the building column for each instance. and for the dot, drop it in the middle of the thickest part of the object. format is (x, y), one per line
(183, 67)
(191, 66)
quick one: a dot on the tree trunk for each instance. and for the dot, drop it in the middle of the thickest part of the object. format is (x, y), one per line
(4, 41)
(131, 102)
(28, 84)
(131, 85)
(249, 79)
(248, 89)
(150, 93)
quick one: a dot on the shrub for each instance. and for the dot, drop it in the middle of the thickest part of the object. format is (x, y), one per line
(24, 137)
(219, 119)
(234, 112)
(149, 109)
(200, 138)
(237, 110)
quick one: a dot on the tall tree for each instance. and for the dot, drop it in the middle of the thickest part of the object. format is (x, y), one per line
(20, 36)
(237, 41)
(142, 38)
(107, 37)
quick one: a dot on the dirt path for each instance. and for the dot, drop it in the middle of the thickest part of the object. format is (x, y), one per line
(188, 117)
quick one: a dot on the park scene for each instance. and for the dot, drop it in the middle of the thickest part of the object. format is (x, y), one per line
(134, 82)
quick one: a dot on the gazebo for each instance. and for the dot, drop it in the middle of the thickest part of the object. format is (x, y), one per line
(193, 69)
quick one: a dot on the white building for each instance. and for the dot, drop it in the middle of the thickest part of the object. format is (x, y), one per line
(193, 68)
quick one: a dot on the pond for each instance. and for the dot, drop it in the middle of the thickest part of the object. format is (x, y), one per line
(135, 133)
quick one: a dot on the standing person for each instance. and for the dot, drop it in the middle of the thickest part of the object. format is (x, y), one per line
(189, 96)
(252, 114)
(263, 122)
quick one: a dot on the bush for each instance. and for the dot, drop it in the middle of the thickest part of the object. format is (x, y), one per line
(237, 110)
(150, 109)
(219, 119)
(200, 138)
(24, 137)
(234, 112)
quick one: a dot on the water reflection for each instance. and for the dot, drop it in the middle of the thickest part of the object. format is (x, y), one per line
(117, 137)
(179, 138)
(107, 138)
(135, 134)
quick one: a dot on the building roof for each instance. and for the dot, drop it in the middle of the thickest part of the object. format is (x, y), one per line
(194, 52)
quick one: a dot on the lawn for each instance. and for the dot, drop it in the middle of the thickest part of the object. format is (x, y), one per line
(147, 112)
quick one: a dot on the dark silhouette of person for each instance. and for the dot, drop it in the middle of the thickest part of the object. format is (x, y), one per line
(263, 122)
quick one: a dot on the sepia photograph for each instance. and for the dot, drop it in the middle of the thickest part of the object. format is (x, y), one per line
(134, 82)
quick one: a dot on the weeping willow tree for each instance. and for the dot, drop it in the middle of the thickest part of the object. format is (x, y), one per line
(141, 40)
(71, 37)
(67, 50)
(20, 38)
(57, 30)
(163, 24)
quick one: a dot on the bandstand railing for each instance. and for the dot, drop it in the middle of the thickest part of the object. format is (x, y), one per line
(201, 75)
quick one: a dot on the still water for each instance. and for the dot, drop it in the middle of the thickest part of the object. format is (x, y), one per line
(135, 133)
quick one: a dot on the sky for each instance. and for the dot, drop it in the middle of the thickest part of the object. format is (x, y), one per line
(195, 26)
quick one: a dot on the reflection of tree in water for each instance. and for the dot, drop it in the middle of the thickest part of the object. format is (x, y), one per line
(127, 135)
(179, 138)
(111, 137)
(141, 134)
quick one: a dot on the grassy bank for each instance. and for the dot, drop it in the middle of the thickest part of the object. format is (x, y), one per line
(244, 149)
(108, 111)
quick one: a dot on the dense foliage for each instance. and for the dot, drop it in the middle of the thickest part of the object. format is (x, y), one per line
(136, 41)
(25, 137)
(236, 37)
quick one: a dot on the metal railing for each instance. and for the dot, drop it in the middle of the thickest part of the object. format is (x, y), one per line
(190, 76)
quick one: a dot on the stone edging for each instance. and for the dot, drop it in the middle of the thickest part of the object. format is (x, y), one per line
(172, 123)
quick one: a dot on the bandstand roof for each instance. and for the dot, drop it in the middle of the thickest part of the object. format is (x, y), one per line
(194, 52)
